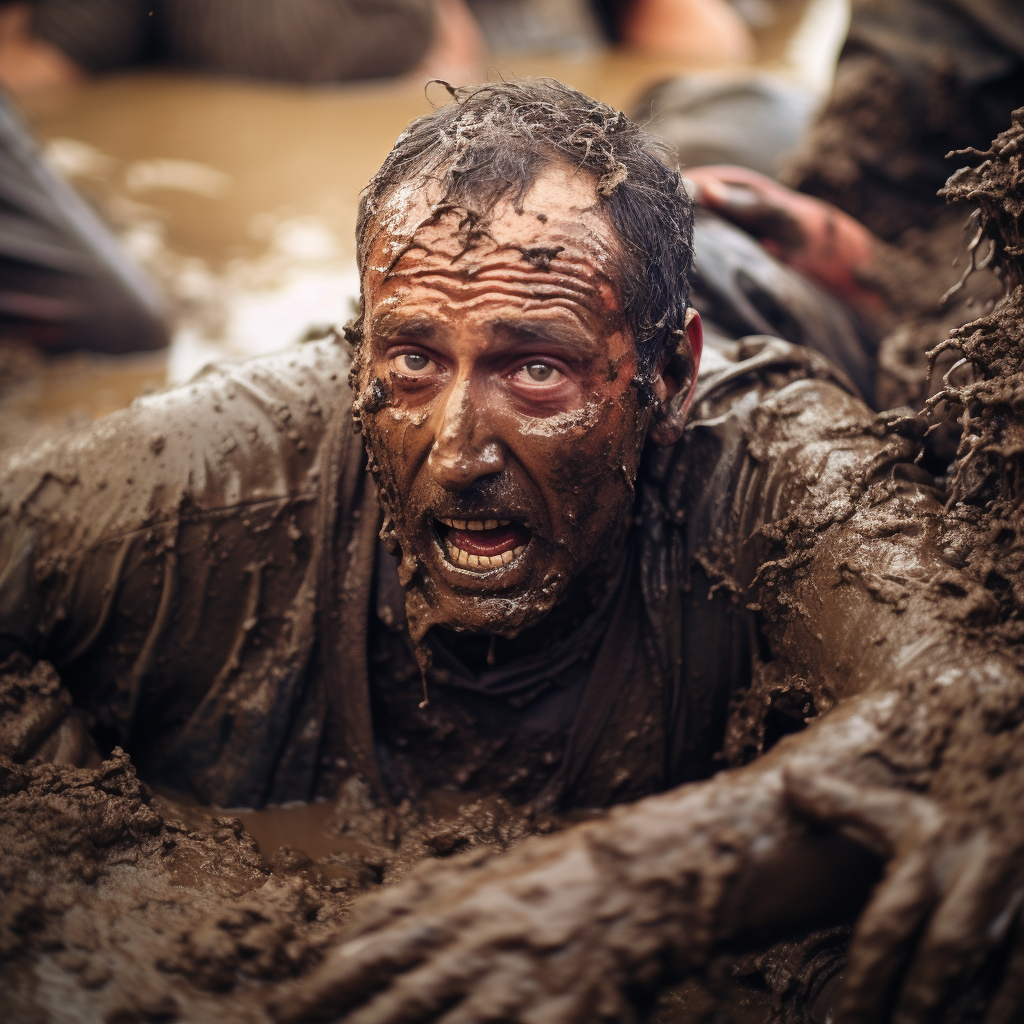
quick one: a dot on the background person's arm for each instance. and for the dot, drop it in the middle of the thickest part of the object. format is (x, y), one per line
(813, 237)
(301, 40)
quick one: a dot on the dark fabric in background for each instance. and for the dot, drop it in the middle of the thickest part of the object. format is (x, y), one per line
(65, 283)
(297, 40)
(916, 80)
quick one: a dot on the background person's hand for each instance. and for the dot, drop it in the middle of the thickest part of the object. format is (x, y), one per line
(811, 236)
(458, 48)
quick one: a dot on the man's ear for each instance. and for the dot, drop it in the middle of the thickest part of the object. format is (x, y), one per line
(675, 380)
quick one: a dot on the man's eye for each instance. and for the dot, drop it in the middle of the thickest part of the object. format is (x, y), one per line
(412, 364)
(539, 373)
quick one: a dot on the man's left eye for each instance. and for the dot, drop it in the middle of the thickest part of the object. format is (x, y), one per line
(412, 364)
(538, 373)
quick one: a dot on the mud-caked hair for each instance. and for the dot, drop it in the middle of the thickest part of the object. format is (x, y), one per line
(491, 143)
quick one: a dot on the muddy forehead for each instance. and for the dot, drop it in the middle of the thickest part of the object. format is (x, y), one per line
(558, 251)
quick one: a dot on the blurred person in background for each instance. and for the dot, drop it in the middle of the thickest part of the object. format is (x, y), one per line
(65, 283)
(858, 212)
(916, 79)
(712, 31)
(60, 42)
(53, 42)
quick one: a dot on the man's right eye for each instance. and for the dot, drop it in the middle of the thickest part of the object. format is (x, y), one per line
(412, 364)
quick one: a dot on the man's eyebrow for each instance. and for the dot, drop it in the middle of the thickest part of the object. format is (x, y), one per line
(543, 330)
(390, 324)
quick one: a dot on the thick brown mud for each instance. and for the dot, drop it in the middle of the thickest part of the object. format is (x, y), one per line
(122, 905)
(118, 904)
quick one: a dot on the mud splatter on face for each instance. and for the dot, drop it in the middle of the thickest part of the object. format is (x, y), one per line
(506, 451)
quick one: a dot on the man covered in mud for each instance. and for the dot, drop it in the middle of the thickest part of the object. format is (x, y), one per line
(548, 573)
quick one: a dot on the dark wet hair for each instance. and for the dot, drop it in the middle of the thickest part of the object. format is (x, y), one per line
(493, 140)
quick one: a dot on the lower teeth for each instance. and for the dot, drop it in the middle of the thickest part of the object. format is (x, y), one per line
(460, 557)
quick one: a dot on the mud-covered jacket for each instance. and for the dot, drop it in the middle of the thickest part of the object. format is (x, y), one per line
(200, 566)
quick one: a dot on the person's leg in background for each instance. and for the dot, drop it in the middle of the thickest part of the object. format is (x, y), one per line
(302, 40)
(65, 284)
(57, 42)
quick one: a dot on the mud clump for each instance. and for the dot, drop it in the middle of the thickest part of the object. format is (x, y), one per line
(110, 901)
(985, 482)
(118, 905)
(37, 718)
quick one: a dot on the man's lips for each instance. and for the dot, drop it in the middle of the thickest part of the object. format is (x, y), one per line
(482, 543)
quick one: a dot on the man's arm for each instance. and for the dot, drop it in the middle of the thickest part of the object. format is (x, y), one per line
(163, 560)
(576, 926)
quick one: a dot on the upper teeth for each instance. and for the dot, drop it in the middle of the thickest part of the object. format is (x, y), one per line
(475, 524)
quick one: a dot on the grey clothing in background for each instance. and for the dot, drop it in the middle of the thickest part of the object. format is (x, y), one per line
(65, 283)
(539, 26)
(296, 40)
(751, 120)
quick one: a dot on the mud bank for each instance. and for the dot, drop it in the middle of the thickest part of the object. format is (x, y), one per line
(118, 904)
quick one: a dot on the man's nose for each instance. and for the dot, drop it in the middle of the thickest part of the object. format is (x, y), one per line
(465, 448)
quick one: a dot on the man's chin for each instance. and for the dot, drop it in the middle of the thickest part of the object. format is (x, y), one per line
(472, 608)
(492, 616)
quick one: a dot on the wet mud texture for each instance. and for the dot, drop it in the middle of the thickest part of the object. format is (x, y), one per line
(977, 405)
(118, 905)
(878, 152)
(961, 747)
(985, 482)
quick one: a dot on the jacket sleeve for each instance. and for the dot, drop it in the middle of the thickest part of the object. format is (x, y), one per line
(165, 550)
(764, 483)
(836, 540)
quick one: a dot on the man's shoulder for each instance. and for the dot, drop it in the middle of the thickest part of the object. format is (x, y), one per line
(771, 423)
(736, 377)
(235, 434)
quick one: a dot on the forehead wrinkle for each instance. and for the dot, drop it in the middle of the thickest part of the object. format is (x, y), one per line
(593, 246)
(582, 304)
(570, 257)
(393, 320)
(494, 281)
(521, 279)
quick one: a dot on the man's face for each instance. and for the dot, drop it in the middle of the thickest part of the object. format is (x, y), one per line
(496, 398)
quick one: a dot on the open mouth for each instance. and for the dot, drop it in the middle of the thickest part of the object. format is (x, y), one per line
(481, 544)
